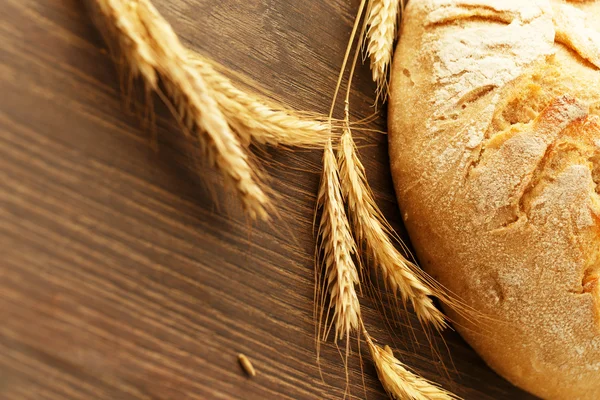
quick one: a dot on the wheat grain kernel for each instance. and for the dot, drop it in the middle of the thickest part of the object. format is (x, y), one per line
(246, 365)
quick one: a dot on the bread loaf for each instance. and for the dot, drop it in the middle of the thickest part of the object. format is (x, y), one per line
(494, 121)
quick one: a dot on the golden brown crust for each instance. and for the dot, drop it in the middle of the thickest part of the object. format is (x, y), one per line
(495, 152)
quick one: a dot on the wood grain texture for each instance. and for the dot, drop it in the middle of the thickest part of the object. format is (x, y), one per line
(128, 273)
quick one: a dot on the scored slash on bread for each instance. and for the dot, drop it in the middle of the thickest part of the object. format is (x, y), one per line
(495, 153)
(513, 162)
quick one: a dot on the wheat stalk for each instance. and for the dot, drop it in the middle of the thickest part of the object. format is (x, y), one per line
(151, 50)
(336, 248)
(256, 120)
(371, 230)
(207, 104)
(335, 242)
(382, 21)
(399, 382)
(369, 225)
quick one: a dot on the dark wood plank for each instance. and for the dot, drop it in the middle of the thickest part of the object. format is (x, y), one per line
(127, 273)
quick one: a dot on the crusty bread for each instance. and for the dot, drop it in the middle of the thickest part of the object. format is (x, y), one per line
(495, 152)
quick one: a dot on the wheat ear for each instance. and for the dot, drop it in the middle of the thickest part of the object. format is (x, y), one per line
(382, 21)
(255, 119)
(336, 248)
(151, 50)
(399, 382)
(400, 275)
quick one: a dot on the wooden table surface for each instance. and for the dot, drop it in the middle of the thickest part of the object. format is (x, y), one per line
(127, 272)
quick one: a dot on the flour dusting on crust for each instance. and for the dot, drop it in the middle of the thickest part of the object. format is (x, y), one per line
(470, 59)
